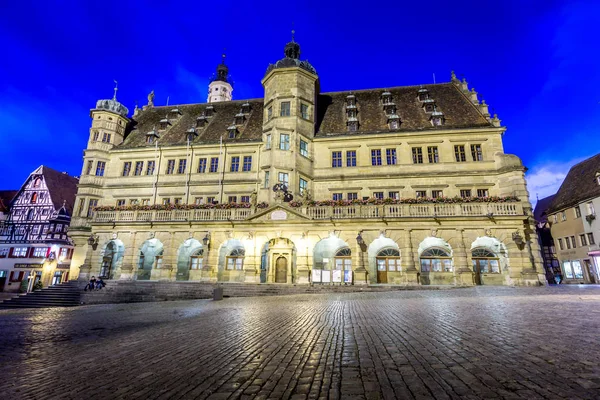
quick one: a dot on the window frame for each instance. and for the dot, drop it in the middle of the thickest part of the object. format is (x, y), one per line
(459, 153)
(336, 159)
(391, 156)
(285, 109)
(376, 157)
(433, 155)
(303, 148)
(284, 141)
(170, 167)
(247, 164)
(235, 164)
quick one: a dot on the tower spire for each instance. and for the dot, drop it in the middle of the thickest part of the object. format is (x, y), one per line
(116, 88)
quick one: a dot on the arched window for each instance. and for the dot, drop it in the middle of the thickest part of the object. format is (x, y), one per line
(235, 259)
(30, 214)
(485, 262)
(158, 260)
(435, 259)
(37, 182)
(388, 260)
(343, 259)
(196, 259)
(34, 197)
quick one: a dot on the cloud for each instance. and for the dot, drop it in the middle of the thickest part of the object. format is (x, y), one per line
(544, 179)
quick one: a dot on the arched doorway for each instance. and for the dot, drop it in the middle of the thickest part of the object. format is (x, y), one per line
(106, 271)
(388, 260)
(190, 259)
(281, 270)
(332, 261)
(434, 260)
(150, 256)
(111, 259)
(484, 262)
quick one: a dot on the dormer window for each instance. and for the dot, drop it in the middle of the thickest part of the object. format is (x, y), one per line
(351, 113)
(152, 137)
(239, 119)
(175, 113)
(437, 118)
(423, 94)
(351, 101)
(389, 108)
(210, 111)
(232, 131)
(352, 125)
(394, 121)
(246, 108)
(164, 124)
(201, 121)
(429, 105)
(386, 97)
(191, 134)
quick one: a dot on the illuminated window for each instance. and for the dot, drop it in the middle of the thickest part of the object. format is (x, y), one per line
(235, 260)
(436, 260)
(303, 148)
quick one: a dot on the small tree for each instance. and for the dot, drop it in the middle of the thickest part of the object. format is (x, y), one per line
(38, 285)
(23, 286)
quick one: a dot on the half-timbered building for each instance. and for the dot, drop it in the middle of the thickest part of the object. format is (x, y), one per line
(34, 243)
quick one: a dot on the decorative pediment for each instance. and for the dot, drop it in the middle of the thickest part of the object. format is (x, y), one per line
(278, 213)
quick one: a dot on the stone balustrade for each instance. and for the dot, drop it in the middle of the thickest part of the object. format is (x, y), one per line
(388, 211)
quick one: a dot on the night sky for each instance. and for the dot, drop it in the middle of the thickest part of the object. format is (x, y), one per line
(536, 63)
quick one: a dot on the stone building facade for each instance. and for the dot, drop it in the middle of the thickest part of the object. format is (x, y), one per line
(403, 185)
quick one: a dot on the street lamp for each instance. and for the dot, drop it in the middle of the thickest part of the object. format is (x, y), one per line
(206, 240)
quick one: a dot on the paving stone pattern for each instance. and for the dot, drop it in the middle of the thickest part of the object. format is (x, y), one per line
(474, 343)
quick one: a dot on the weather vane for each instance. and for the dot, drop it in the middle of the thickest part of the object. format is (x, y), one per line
(116, 88)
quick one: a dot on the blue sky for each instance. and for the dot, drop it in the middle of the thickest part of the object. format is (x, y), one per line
(534, 62)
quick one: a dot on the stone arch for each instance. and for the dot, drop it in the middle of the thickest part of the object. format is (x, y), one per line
(325, 250)
(375, 247)
(148, 252)
(226, 249)
(435, 259)
(497, 248)
(190, 247)
(111, 258)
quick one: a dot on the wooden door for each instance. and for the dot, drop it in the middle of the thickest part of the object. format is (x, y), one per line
(381, 271)
(477, 271)
(281, 270)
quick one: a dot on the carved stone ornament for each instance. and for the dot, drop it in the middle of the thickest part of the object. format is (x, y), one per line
(114, 236)
(488, 232)
(434, 232)
(151, 235)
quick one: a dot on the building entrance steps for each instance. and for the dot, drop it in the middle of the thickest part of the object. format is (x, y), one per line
(63, 295)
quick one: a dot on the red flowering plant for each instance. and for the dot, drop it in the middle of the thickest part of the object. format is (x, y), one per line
(168, 207)
(262, 204)
(417, 200)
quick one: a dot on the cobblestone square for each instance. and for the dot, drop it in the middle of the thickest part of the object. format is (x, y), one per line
(471, 343)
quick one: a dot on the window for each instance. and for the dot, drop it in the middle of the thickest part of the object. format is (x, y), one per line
(235, 260)
(267, 176)
(210, 200)
(63, 253)
(378, 195)
(106, 137)
(351, 158)
(573, 243)
(170, 166)
(196, 260)
(199, 200)
(303, 148)
(394, 123)
(390, 155)
(352, 126)
(577, 212)
(133, 202)
(100, 168)
(178, 200)
(568, 242)
(149, 139)
(268, 142)
(80, 206)
(336, 159)
(485, 262)
(139, 167)
(337, 196)
(120, 203)
(285, 109)
(284, 141)
(432, 155)
(214, 164)
(284, 177)
(417, 155)
(232, 199)
(88, 169)
(91, 204)
(459, 153)
(582, 240)
(421, 193)
(483, 193)
(304, 111)
(343, 259)
(388, 260)
(555, 217)
(96, 136)
(40, 252)
(394, 195)
(465, 193)
(590, 237)
(247, 166)
(476, 152)
(245, 199)
(145, 202)
(126, 168)
(590, 209)
(182, 166)
(235, 164)
(375, 157)
(437, 194)
(34, 197)
(573, 269)
(352, 196)
(436, 260)
(560, 244)
(563, 216)
(166, 201)
(269, 113)
(202, 165)
(150, 168)
(20, 252)
(302, 186)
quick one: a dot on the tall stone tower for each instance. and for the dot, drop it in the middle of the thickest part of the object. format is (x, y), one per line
(220, 88)
(109, 122)
(291, 87)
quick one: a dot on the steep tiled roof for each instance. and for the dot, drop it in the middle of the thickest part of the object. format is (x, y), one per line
(457, 109)
(541, 208)
(61, 186)
(6, 197)
(580, 184)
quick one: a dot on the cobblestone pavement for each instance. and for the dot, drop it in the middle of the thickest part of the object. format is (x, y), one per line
(470, 343)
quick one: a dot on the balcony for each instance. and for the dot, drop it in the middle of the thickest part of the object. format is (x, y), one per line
(388, 211)
(80, 223)
(92, 180)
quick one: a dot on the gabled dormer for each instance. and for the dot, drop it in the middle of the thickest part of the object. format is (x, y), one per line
(246, 108)
(174, 114)
(152, 136)
(240, 118)
(164, 123)
(423, 94)
(232, 131)
(210, 111)
(201, 121)
(191, 134)
(437, 118)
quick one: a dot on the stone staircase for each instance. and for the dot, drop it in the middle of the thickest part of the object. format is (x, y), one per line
(66, 294)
